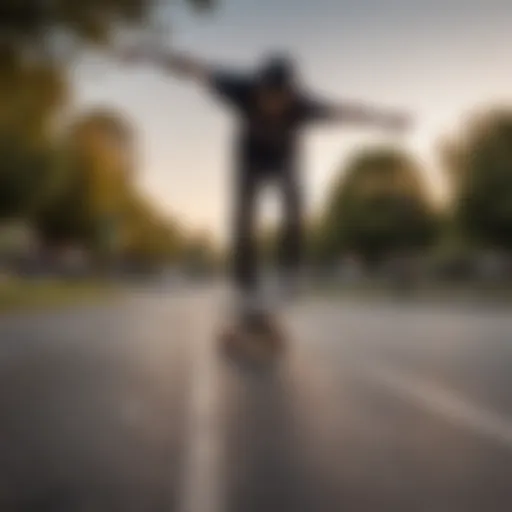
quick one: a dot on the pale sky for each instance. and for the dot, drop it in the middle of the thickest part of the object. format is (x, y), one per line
(436, 59)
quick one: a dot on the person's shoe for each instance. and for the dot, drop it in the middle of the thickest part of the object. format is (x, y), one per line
(266, 332)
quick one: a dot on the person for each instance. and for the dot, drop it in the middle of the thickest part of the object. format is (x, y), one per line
(272, 106)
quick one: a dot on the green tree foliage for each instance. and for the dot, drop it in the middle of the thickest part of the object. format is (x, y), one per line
(80, 188)
(67, 217)
(23, 171)
(378, 206)
(148, 237)
(96, 202)
(103, 142)
(480, 168)
(91, 185)
(34, 36)
(30, 94)
(29, 23)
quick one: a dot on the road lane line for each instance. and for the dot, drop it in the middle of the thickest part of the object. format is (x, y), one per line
(447, 404)
(201, 489)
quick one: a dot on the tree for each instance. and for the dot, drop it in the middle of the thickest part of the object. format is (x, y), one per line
(23, 171)
(30, 24)
(480, 168)
(90, 188)
(68, 188)
(67, 216)
(104, 142)
(149, 239)
(39, 42)
(96, 203)
(30, 93)
(378, 206)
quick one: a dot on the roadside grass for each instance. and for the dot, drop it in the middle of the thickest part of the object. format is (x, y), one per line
(429, 292)
(28, 294)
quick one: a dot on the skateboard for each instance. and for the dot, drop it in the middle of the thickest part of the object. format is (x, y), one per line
(259, 339)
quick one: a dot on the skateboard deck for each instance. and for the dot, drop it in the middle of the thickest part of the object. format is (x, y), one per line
(253, 343)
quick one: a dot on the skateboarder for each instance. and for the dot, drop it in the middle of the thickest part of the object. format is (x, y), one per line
(271, 106)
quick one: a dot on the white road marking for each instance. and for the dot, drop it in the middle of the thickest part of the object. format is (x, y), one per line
(202, 490)
(447, 404)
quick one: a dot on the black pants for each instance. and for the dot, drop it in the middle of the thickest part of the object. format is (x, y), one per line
(249, 183)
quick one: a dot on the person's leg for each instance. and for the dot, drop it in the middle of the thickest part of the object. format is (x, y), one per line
(290, 244)
(244, 244)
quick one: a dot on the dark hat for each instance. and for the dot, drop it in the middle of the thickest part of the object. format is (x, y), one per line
(277, 71)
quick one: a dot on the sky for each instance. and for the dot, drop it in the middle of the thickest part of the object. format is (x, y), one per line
(436, 59)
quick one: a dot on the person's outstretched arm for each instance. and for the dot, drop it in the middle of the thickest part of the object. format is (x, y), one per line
(184, 66)
(177, 64)
(229, 86)
(358, 114)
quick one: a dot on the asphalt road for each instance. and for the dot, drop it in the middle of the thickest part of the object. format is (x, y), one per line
(376, 407)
